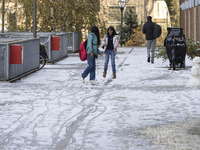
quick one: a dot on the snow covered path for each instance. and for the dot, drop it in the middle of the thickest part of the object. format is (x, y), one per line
(147, 107)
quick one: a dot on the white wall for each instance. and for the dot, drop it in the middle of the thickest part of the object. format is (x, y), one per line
(160, 10)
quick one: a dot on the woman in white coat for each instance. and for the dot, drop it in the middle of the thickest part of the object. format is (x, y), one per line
(110, 43)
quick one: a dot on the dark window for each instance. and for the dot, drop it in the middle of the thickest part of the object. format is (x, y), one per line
(114, 14)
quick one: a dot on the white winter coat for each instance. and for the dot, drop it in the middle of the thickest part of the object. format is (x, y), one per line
(115, 41)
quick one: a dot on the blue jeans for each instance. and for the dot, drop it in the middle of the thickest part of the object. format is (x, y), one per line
(112, 54)
(91, 68)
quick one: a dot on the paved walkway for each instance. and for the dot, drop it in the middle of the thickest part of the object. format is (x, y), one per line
(147, 107)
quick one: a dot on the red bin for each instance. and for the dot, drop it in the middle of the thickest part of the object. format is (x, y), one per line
(16, 54)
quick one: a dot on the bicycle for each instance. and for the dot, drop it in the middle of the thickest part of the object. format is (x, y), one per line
(43, 53)
(43, 56)
(173, 55)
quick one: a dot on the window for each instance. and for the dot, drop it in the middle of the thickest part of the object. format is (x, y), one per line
(130, 7)
(114, 14)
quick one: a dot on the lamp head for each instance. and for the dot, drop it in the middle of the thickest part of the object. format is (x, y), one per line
(122, 3)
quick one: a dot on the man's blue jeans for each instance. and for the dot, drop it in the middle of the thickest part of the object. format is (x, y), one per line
(91, 68)
(112, 54)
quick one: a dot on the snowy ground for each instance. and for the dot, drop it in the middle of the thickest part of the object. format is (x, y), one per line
(147, 107)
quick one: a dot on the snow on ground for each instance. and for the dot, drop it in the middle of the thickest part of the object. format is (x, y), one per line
(147, 107)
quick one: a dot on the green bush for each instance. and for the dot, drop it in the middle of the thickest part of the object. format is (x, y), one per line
(137, 38)
(192, 48)
(160, 52)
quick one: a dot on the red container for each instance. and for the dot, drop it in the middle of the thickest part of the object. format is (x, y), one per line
(16, 54)
(55, 43)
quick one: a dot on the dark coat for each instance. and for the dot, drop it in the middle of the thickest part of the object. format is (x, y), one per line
(148, 29)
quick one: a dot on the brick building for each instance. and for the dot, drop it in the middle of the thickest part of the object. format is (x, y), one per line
(190, 18)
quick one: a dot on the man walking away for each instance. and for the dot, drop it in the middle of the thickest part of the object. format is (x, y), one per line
(148, 30)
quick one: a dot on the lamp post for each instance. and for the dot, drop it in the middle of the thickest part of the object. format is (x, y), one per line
(147, 8)
(167, 16)
(3, 12)
(122, 4)
(34, 19)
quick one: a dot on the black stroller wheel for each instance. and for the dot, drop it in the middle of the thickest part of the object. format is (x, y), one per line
(42, 62)
(174, 65)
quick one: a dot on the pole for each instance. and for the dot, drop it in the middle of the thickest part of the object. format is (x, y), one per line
(34, 19)
(167, 16)
(3, 13)
(122, 9)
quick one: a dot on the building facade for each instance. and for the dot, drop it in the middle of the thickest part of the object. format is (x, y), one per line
(190, 18)
(111, 14)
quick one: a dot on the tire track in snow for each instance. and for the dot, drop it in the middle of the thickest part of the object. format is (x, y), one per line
(81, 117)
(7, 134)
(85, 110)
(24, 122)
(99, 97)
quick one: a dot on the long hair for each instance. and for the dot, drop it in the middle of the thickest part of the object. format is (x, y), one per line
(95, 30)
(113, 29)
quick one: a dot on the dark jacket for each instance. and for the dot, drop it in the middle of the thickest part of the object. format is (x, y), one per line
(148, 28)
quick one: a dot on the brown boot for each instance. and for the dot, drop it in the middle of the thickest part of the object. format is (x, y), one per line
(104, 73)
(114, 75)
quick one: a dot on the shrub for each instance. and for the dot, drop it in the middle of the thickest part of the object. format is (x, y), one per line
(160, 52)
(192, 48)
(137, 38)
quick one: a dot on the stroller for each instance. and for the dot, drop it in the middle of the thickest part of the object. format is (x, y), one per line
(175, 47)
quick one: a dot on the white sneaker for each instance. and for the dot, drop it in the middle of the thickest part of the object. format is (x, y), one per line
(82, 79)
(93, 82)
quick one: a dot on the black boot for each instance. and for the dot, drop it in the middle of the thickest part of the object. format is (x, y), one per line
(148, 60)
(104, 73)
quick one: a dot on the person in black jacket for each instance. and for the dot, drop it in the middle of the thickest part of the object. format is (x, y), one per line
(148, 30)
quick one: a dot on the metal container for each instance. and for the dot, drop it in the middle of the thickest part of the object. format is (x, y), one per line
(63, 51)
(29, 57)
(74, 41)
(46, 39)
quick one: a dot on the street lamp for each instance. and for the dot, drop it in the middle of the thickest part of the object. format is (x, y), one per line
(147, 8)
(3, 13)
(122, 4)
(166, 8)
(34, 19)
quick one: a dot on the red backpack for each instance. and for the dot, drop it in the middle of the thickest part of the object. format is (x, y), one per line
(82, 51)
